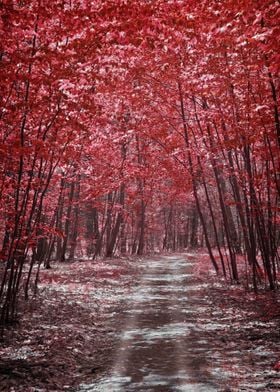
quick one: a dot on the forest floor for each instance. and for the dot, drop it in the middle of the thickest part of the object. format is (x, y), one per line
(69, 335)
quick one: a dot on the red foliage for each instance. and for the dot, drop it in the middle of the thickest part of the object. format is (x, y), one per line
(140, 112)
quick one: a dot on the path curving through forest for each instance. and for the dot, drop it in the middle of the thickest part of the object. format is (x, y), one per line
(162, 346)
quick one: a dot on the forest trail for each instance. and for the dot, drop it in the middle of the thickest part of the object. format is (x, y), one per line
(161, 347)
(157, 324)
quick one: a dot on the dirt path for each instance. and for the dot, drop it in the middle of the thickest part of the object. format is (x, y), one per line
(181, 333)
(163, 346)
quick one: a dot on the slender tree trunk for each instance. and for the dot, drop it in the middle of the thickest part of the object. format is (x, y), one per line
(67, 221)
(141, 241)
(74, 234)
(115, 230)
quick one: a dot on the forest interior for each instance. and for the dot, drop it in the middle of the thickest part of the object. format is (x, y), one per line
(139, 170)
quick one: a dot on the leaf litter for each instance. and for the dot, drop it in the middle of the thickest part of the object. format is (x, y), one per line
(65, 335)
(68, 334)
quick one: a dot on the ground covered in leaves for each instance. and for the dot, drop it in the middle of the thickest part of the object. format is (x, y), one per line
(69, 332)
(65, 335)
(245, 330)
